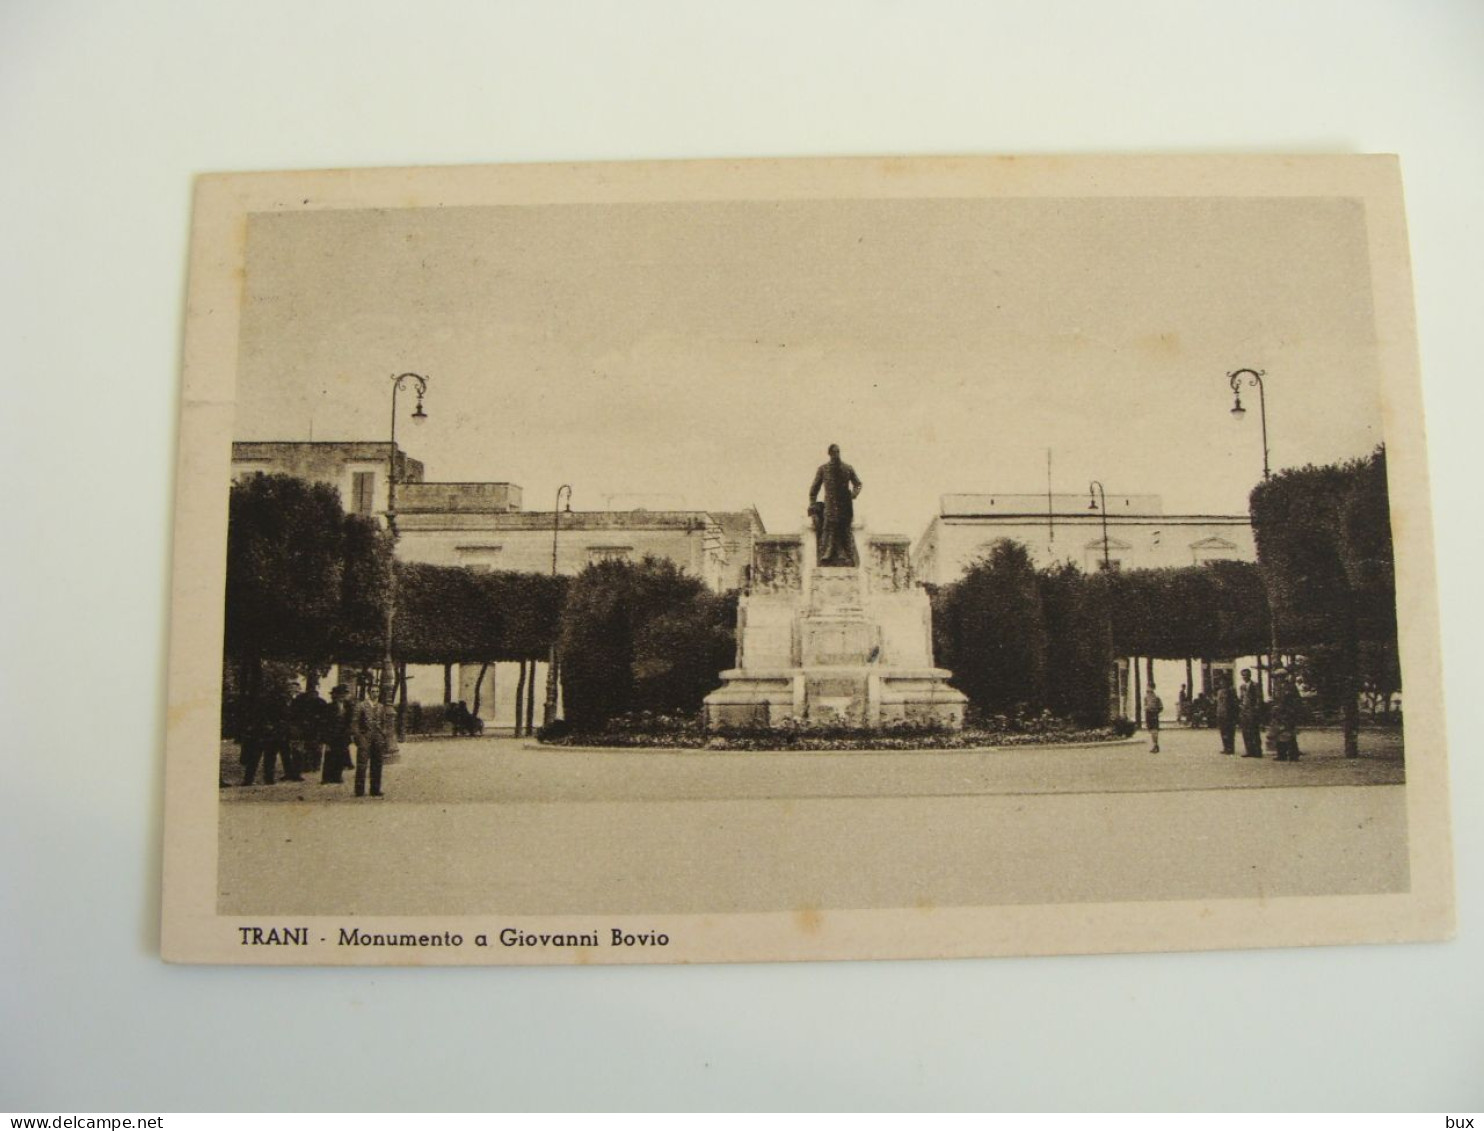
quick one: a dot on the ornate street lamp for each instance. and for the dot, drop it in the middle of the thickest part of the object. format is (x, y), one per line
(1095, 489)
(388, 670)
(549, 714)
(1254, 377)
(1098, 501)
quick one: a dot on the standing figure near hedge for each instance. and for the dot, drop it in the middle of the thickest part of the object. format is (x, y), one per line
(1226, 716)
(265, 737)
(1283, 723)
(369, 723)
(307, 729)
(1153, 707)
(338, 736)
(1250, 716)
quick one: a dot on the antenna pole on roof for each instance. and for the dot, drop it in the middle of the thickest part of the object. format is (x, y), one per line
(1050, 505)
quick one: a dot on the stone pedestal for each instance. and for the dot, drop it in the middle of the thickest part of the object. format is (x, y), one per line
(850, 645)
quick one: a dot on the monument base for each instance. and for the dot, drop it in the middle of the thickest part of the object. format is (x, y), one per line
(866, 697)
(834, 646)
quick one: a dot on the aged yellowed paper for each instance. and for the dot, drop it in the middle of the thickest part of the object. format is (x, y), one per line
(778, 560)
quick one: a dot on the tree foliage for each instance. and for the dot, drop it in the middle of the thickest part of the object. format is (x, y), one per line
(530, 607)
(451, 614)
(309, 584)
(990, 629)
(305, 581)
(1325, 549)
(1079, 646)
(1016, 637)
(1213, 611)
(641, 636)
(365, 589)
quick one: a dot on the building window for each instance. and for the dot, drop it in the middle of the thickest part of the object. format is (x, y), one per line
(245, 469)
(1213, 550)
(363, 492)
(596, 554)
(1117, 552)
(480, 559)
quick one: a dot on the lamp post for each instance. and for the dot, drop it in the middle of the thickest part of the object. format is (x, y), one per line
(388, 670)
(1095, 489)
(1254, 377)
(1099, 502)
(549, 713)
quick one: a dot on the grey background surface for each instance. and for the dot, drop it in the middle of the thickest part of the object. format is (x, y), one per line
(106, 113)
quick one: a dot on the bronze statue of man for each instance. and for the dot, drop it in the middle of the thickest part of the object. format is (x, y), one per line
(833, 518)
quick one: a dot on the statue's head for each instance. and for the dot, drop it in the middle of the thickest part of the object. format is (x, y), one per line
(834, 451)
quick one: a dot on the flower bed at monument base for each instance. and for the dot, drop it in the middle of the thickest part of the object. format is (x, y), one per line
(676, 732)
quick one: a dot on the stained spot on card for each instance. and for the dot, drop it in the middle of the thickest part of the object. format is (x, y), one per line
(1167, 344)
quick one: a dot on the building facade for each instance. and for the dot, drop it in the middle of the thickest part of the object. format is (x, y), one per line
(359, 470)
(1070, 528)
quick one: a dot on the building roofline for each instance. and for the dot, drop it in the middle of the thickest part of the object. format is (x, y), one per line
(1093, 517)
(317, 443)
(646, 520)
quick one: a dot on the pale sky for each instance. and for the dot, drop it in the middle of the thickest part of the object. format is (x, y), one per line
(707, 354)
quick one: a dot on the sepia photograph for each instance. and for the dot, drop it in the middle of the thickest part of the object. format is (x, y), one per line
(678, 557)
(738, 561)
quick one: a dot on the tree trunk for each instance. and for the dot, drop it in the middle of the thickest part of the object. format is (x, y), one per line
(249, 696)
(531, 700)
(401, 700)
(1350, 689)
(520, 700)
(479, 685)
(447, 685)
(1138, 696)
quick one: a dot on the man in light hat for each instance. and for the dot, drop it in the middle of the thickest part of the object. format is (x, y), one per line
(1283, 722)
(369, 724)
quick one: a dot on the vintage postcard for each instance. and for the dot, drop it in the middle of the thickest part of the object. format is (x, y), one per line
(812, 559)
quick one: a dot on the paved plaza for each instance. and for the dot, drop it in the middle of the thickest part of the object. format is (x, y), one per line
(499, 825)
(510, 770)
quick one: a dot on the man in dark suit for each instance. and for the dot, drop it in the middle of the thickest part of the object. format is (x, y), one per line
(306, 729)
(338, 736)
(265, 736)
(1250, 716)
(1226, 716)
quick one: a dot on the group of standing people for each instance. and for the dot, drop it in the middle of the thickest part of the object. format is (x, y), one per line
(305, 734)
(1241, 708)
